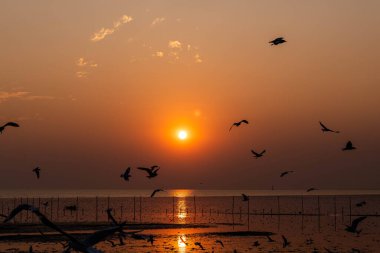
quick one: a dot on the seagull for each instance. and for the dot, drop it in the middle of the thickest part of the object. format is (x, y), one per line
(354, 225)
(155, 191)
(126, 174)
(270, 239)
(285, 242)
(348, 146)
(152, 171)
(286, 173)
(277, 41)
(220, 242)
(238, 123)
(37, 171)
(200, 245)
(245, 197)
(13, 124)
(360, 204)
(150, 239)
(326, 129)
(311, 189)
(85, 246)
(258, 155)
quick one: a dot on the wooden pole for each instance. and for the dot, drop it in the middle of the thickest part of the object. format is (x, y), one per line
(134, 209)
(248, 212)
(96, 208)
(77, 211)
(58, 208)
(319, 215)
(51, 208)
(350, 207)
(173, 207)
(140, 208)
(335, 213)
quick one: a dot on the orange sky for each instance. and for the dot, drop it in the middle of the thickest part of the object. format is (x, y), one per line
(99, 86)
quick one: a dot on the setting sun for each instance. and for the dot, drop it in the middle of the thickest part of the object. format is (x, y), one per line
(182, 135)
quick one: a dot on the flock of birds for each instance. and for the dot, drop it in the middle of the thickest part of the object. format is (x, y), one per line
(87, 245)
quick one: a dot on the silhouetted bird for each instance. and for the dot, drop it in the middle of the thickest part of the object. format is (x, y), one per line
(85, 246)
(12, 124)
(245, 197)
(155, 191)
(286, 173)
(326, 129)
(257, 155)
(37, 171)
(311, 189)
(270, 239)
(151, 239)
(353, 228)
(256, 244)
(348, 146)
(152, 171)
(199, 245)
(220, 242)
(126, 175)
(277, 41)
(360, 204)
(45, 203)
(238, 123)
(285, 242)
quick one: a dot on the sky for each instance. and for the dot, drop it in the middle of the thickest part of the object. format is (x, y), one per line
(99, 86)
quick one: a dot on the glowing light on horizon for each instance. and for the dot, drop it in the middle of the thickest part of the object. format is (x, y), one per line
(182, 135)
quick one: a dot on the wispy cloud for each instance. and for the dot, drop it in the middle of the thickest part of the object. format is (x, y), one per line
(103, 32)
(157, 21)
(81, 74)
(175, 44)
(81, 62)
(159, 54)
(23, 95)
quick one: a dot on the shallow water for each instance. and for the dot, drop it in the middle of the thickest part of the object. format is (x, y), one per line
(299, 217)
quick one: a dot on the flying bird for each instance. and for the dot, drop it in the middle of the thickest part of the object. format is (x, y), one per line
(126, 175)
(220, 242)
(360, 204)
(258, 155)
(155, 191)
(285, 242)
(326, 129)
(354, 225)
(348, 146)
(245, 197)
(238, 123)
(286, 173)
(37, 171)
(277, 41)
(12, 124)
(152, 171)
(311, 189)
(199, 245)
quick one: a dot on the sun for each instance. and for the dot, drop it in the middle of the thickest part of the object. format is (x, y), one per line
(182, 135)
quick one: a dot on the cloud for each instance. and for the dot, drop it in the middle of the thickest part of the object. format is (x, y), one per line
(23, 95)
(81, 74)
(175, 44)
(159, 54)
(157, 21)
(103, 32)
(198, 58)
(81, 62)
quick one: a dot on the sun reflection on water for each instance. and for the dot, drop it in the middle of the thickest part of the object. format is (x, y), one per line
(182, 243)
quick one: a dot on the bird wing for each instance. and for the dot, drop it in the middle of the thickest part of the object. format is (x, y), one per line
(12, 124)
(323, 126)
(263, 152)
(244, 121)
(253, 152)
(356, 222)
(153, 193)
(145, 169)
(128, 170)
(234, 124)
(15, 211)
(285, 240)
(101, 235)
(349, 144)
